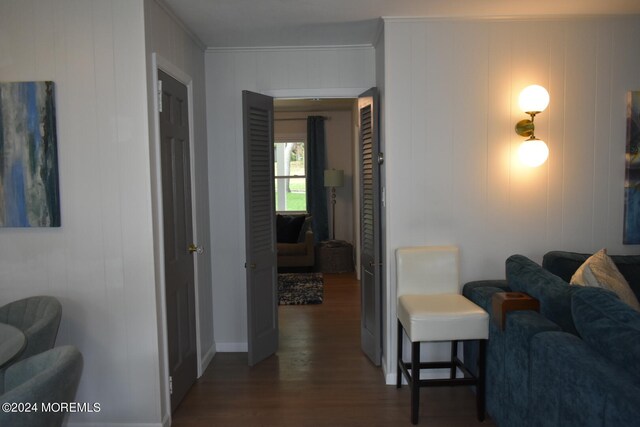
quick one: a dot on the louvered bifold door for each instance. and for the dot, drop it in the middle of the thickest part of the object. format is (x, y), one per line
(370, 232)
(262, 287)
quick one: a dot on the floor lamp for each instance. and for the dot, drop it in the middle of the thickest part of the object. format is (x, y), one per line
(333, 178)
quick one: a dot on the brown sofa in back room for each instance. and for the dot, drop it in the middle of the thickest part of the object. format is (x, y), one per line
(295, 244)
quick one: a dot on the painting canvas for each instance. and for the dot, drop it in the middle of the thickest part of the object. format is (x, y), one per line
(29, 193)
(632, 179)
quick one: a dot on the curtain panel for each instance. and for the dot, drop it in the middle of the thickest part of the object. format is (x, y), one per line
(316, 197)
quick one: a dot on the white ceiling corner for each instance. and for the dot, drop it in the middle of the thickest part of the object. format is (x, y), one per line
(262, 23)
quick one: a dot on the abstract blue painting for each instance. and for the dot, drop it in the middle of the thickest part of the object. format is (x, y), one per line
(632, 179)
(29, 189)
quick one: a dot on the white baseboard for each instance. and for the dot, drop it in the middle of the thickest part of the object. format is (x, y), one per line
(232, 347)
(390, 379)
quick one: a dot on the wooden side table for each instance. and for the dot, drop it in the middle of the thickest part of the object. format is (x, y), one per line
(504, 302)
(334, 256)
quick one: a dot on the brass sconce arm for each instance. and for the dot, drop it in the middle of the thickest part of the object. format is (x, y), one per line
(525, 127)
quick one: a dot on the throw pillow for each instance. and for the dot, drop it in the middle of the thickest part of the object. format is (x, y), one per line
(306, 226)
(600, 271)
(288, 228)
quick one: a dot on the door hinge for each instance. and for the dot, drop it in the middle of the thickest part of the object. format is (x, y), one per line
(160, 96)
(170, 385)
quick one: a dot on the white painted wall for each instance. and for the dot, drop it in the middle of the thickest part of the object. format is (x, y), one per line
(182, 55)
(280, 72)
(339, 150)
(100, 262)
(451, 89)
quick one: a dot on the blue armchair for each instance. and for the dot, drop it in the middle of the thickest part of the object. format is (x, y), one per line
(51, 377)
(38, 317)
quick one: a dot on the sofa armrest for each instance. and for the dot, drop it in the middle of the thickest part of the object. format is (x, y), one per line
(508, 365)
(310, 244)
(573, 385)
(521, 327)
(482, 291)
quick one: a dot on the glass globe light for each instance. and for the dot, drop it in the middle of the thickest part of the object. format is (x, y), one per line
(533, 99)
(533, 152)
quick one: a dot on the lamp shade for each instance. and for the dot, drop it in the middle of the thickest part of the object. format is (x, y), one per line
(533, 99)
(533, 152)
(333, 178)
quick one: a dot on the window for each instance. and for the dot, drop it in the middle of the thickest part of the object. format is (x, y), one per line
(290, 176)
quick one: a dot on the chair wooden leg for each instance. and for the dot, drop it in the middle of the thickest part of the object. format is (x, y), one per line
(415, 381)
(399, 375)
(454, 355)
(480, 388)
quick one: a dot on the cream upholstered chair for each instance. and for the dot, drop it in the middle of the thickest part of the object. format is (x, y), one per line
(431, 308)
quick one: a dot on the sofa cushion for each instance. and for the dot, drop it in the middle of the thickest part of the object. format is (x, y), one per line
(291, 249)
(288, 228)
(609, 326)
(629, 266)
(554, 294)
(306, 226)
(564, 264)
(599, 271)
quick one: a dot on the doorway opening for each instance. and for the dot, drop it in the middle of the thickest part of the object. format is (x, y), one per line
(260, 215)
(291, 155)
(336, 259)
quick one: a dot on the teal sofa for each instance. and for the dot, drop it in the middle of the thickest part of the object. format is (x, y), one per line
(576, 362)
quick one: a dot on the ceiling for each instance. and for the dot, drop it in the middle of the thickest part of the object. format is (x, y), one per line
(259, 23)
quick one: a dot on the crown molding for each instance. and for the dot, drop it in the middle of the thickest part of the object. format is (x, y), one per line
(288, 48)
(503, 18)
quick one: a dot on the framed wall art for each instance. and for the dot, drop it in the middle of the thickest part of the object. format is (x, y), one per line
(29, 189)
(632, 175)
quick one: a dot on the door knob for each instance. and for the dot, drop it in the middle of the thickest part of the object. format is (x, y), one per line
(197, 249)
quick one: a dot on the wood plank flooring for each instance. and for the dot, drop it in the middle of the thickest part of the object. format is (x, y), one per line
(319, 377)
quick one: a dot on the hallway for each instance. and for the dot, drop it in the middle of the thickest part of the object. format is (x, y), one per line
(319, 377)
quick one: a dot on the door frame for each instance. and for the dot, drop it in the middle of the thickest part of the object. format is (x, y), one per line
(160, 63)
(334, 93)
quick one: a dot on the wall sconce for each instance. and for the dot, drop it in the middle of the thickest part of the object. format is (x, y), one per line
(533, 99)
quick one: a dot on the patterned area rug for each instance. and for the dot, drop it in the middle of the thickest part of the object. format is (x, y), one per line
(300, 288)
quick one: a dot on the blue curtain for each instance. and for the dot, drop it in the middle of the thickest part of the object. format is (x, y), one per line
(316, 196)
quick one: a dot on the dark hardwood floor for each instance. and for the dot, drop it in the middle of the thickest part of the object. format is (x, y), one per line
(319, 377)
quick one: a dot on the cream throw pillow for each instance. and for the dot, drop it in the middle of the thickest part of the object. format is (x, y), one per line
(600, 271)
